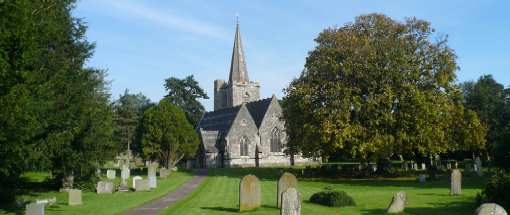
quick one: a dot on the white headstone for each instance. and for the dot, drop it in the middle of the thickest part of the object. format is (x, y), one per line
(34, 209)
(490, 209)
(111, 174)
(291, 202)
(136, 178)
(398, 203)
(423, 166)
(456, 182)
(153, 182)
(104, 187)
(125, 173)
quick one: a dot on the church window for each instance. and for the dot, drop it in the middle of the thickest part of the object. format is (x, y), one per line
(243, 146)
(276, 145)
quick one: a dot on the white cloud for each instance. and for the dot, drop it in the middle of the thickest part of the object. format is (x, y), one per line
(167, 19)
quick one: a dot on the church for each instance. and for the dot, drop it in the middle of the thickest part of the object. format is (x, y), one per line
(243, 130)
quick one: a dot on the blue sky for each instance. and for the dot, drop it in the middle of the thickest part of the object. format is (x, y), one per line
(141, 43)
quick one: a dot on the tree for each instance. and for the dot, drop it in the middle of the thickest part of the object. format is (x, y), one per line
(129, 110)
(185, 94)
(378, 88)
(488, 99)
(167, 135)
(54, 112)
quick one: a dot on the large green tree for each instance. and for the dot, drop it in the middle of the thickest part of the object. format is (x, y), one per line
(129, 110)
(167, 135)
(185, 94)
(377, 88)
(54, 112)
(489, 99)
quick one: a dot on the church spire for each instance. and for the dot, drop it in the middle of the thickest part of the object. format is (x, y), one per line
(238, 71)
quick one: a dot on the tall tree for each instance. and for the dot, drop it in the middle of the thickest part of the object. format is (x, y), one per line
(54, 112)
(489, 99)
(185, 94)
(167, 134)
(129, 110)
(377, 88)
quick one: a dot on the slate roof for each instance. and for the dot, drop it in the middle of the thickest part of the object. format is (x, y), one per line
(258, 110)
(219, 120)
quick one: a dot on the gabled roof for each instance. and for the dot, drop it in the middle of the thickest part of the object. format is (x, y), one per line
(258, 110)
(219, 120)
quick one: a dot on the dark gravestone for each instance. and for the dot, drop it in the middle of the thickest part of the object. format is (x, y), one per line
(249, 193)
(287, 180)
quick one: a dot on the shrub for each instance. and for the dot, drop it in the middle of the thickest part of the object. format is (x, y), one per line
(496, 190)
(332, 198)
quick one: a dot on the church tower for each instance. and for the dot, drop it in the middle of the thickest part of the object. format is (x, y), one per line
(239, 88)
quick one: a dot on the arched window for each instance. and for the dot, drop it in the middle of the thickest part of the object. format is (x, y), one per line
(276, 145)
(243, 146)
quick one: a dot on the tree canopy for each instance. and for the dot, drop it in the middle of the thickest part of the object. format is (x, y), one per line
(185, 94)
(377, 88)
(54, 112)
(167, 135)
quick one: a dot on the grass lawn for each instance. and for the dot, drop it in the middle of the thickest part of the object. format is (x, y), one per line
(219, 194)
(103, 203)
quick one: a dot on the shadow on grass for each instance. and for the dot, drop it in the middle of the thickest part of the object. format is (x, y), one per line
(273, 174)
(452, 208)
(223, 209)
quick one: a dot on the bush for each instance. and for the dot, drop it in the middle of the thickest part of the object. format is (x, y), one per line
(496, 190)
(332, 198)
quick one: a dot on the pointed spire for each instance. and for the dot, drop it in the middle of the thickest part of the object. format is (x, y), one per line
(238, 71)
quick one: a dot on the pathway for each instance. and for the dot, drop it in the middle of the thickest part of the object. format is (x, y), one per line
(158, 205)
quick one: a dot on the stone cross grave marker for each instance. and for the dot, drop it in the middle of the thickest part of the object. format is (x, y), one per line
(490, 209)
(74, 197)
(456, 182)
(398, 203)
(249, 193)
(111, 174)
(287, 180)
(291, 202)
(34, 208)
(104, 187)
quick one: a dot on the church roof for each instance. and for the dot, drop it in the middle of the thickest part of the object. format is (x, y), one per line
(238, 71)
(219, 120)
(209, 139)
(258, 110)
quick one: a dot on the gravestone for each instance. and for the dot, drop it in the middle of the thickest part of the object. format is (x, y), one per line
(151, 173)
(422, 178)
(34, 208)
(291, 202)
(104, 187)
(163, 172)
(153, 182)
(151, 170)
(287, 180)
(111, 174)
(136, 178)
(125, 172)
(142, 185)
(456, 182)
(74, 197)
(398, 203)
(249, 193)
(490, 209)
(423, 166)
(67, 183)
(478, 164)
(415, 166)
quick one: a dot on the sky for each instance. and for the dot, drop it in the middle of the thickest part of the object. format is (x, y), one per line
(141, 43)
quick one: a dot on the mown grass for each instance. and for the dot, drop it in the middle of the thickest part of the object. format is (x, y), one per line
(100, 203)
(219, 194)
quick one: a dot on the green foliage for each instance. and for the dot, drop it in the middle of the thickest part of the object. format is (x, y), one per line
(54, 112)
(129, 110)
(496, 190)
(167, 135)
(332, 198)
(378, 88)
(489, 99)
(185, 94)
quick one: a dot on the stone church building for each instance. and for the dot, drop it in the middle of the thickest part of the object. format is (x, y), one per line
(243, 130)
